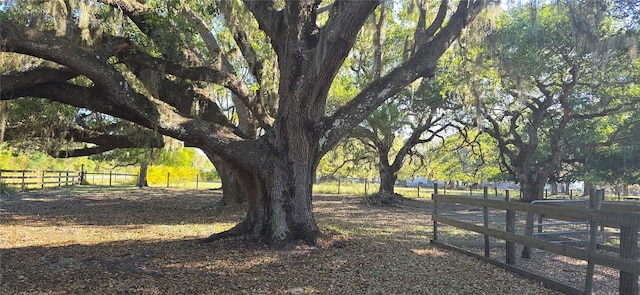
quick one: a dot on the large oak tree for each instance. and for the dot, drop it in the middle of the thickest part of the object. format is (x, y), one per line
(150, 71)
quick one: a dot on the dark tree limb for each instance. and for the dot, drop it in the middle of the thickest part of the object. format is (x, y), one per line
(422, 63)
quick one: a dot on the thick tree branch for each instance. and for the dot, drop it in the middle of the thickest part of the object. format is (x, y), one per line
(103, 142)
(270, 20)
(422, 63)
(34, 77)
(422, 33)
(119, 99)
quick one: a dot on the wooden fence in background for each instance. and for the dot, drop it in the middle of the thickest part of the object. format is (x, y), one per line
(36, 179)
(108, 178)
(32, 179)
(612, 215)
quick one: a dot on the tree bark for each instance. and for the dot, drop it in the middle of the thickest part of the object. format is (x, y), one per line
(532, 189)
(554, 188)
(142, 176)
(231, 193)
(586, 188)
(4, 105)
(388, 179)
(625, 190)
(278, 195)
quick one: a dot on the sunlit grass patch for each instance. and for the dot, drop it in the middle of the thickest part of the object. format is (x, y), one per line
(432, 251)
(16, 236)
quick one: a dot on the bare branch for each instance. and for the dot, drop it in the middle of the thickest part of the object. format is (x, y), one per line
(422, 63)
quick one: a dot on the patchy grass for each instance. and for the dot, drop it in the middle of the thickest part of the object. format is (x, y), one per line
(132, 241)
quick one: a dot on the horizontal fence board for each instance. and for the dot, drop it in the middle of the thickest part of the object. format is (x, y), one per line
(17, 171)
(603, 217)
(621, 206)
(35, 179)
(565, 250)
(548, 282)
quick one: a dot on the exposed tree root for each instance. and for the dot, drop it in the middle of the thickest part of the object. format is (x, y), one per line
(236, 231)
(385, 199)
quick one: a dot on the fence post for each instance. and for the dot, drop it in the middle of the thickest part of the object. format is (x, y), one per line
(594, 202)
(629, 250)
(66, 178)
(366, 186)
(435, 212)
(510, 247)
(59, 178)
(418, 191)
(81, 181)
(168, 179)
(485, 213)
(197, 179)
(23, 184)
(110, 174)
(42, 180)
(339, 186)
(540, 220)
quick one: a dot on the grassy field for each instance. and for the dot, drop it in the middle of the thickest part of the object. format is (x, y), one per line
(354, 188)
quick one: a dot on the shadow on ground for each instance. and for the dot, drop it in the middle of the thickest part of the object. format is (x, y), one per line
(121, 206)
(364, 250)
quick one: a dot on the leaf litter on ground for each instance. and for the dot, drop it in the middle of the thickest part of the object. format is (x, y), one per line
(147, 241)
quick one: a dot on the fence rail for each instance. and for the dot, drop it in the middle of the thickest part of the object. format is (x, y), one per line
(107, 178)
(624, 218)
(33, 179)
(37, 179)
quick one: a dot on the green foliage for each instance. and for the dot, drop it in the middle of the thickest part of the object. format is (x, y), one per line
(181, 157)
(615, 164)
(38, 123)
(158, 175)
(456, 159)
(13, 158)
(350, 158)
(545, 88)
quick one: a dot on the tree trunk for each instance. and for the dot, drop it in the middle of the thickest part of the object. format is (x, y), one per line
(531, 189)
(587, 188)
(4, 105)
(231, 193)
(388, 179)
(554, 188)
(276, 214)
(142, 176)
(625, 190)
(277, 182)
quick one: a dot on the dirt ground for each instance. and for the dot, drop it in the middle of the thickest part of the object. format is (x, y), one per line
(132, 241)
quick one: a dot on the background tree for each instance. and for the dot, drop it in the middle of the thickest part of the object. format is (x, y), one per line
(349, 159)
(466, 155)
(616, 164)
(412, 116)
(546, 78)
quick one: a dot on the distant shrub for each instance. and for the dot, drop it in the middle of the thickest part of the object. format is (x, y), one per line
(178, 176)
